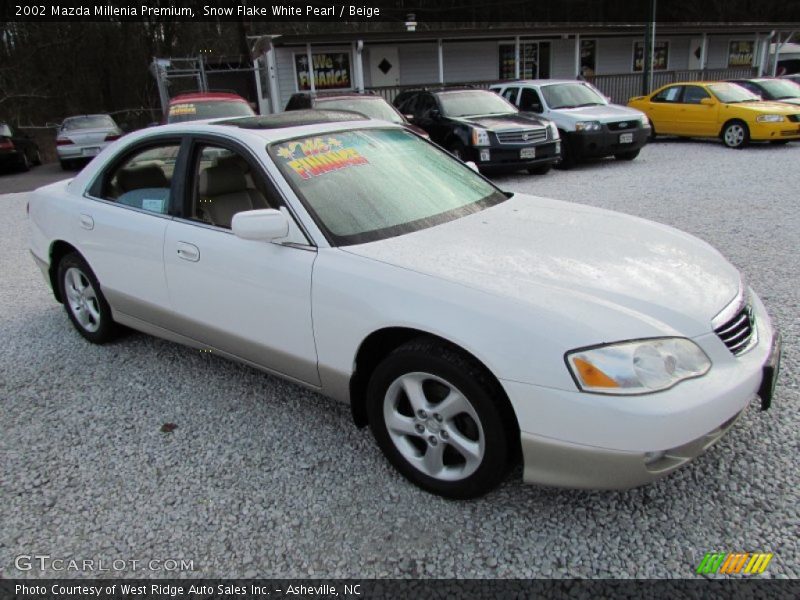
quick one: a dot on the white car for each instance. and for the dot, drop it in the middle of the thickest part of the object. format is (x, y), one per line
(469, 327)
(81, 138)
(589, 125)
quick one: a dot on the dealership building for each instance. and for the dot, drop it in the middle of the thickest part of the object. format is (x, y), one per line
(612, 57)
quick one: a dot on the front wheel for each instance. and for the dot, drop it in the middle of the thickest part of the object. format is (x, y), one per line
(736, 134)
(84, 302)
(568, 158)
(436, 416)
(627, 155)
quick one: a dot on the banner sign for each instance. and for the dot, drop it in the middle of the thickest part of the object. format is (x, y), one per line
(331, 71)
(740, 54)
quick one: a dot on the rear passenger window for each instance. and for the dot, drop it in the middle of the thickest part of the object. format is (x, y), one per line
(224, 184)
(510, 94)
(144, 180)
(671, 94)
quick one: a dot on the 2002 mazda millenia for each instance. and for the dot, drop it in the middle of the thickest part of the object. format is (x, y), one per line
(467, 326)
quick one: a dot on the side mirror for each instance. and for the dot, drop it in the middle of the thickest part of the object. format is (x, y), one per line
(707, 101)
(435, 114)
(537, 108)
(409, 117)
(472, 166)
(266, 225)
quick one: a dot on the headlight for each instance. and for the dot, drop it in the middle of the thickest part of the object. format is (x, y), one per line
(637, 367)
(645, 121)
(480, 137)
(587, 126)
(553, 131)
(770, 119)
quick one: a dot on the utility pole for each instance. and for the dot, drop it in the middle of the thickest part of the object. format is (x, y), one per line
(649, 48)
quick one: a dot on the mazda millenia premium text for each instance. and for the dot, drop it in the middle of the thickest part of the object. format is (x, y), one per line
(468, 327)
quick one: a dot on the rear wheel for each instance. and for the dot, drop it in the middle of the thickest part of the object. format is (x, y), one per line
(436, 416)
(37, 157)
(84, 302)
(24, 162)
(627, 155)
(736, 134)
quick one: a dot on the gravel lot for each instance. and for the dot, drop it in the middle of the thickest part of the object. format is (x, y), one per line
(264, 478)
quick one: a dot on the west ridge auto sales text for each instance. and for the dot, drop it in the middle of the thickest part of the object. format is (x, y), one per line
(158, 589)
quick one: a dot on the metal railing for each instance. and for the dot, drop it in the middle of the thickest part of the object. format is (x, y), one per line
(619, 87)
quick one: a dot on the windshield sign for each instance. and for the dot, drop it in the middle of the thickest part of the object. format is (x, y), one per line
(193, 111)
(474, 103)
(88, 122)
(370, 184)
(571, 95)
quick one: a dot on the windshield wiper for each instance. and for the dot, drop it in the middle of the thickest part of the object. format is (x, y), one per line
(588, 104)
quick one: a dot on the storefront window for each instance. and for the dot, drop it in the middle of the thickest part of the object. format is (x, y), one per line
(660, 56)
(588, 57)
(534, 60)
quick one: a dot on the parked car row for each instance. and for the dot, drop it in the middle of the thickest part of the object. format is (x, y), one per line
(17, 150)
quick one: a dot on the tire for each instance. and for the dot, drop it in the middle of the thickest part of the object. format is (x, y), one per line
(24, 162)
(567, 155)
(463, 452)
(653, 135)
(37, 158)
(540, 169)
(457, 149)
(735, 134)
(65, 164)
(627, 155)
(84, 301)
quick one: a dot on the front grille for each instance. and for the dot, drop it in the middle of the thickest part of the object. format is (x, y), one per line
(738, 333)
(790, 133)
(622, 125)
(522, 136)
(794, 118)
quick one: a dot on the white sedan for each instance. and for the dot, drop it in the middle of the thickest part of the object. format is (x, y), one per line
(469, 327)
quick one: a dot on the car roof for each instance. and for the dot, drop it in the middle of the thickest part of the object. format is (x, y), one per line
(206, 97)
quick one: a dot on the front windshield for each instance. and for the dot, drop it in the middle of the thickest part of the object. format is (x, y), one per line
(731, 93)
(88, 122)
(571, 95)
(470, 103)
(374, 108)
(194, 111)
(369, 184)
(780, 90)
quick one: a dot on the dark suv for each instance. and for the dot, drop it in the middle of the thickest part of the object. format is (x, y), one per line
(480, 126)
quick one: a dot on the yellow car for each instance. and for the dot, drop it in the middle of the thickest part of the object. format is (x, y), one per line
(718, 109)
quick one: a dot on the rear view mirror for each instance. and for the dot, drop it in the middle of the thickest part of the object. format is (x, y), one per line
(265, 224)
(472, 166)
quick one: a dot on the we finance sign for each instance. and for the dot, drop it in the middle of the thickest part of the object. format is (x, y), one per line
(331, 71)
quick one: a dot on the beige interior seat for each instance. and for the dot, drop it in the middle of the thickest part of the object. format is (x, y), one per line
(223, 192)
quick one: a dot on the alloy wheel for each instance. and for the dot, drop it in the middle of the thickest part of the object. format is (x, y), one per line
(434, 426)
(734, 135)
(82, 299)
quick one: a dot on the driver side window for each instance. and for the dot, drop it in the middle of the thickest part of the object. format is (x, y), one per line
(529, 100)
(425, 104)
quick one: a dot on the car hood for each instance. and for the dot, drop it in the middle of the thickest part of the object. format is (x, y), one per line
(794, 101)
(603, 113)
(502, 122)
(766, 106)
(538, 250)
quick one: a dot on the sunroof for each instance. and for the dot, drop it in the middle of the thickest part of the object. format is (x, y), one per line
(294, 118)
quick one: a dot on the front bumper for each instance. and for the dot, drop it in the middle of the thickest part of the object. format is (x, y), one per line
(575, 439)
(595, 144)
(507, 156)
(762, 132)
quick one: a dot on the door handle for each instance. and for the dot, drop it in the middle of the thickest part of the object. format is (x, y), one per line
(87, 222)
(188, 252)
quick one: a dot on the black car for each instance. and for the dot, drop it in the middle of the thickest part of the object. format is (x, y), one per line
(369, 105)
(480, 126)
(17, 149)
(771, 88)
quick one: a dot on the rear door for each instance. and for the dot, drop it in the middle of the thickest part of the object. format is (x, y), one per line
(662, 109)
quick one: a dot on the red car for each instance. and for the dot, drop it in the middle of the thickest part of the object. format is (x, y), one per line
(207, 105)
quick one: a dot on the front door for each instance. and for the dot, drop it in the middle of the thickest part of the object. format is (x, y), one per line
(694, 117)
(249, 299)
(384, 66)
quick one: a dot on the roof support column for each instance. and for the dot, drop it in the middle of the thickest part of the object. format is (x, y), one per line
(441, 62)
(310, 69)
(516, 58)
(704, 52)
(272, 78)
(578, 56)
(358, 48)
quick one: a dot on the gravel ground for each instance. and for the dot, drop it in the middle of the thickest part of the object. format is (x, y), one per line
(261, 477)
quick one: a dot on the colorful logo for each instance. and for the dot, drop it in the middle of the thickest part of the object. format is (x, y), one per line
(317, 156)
(731, 563)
